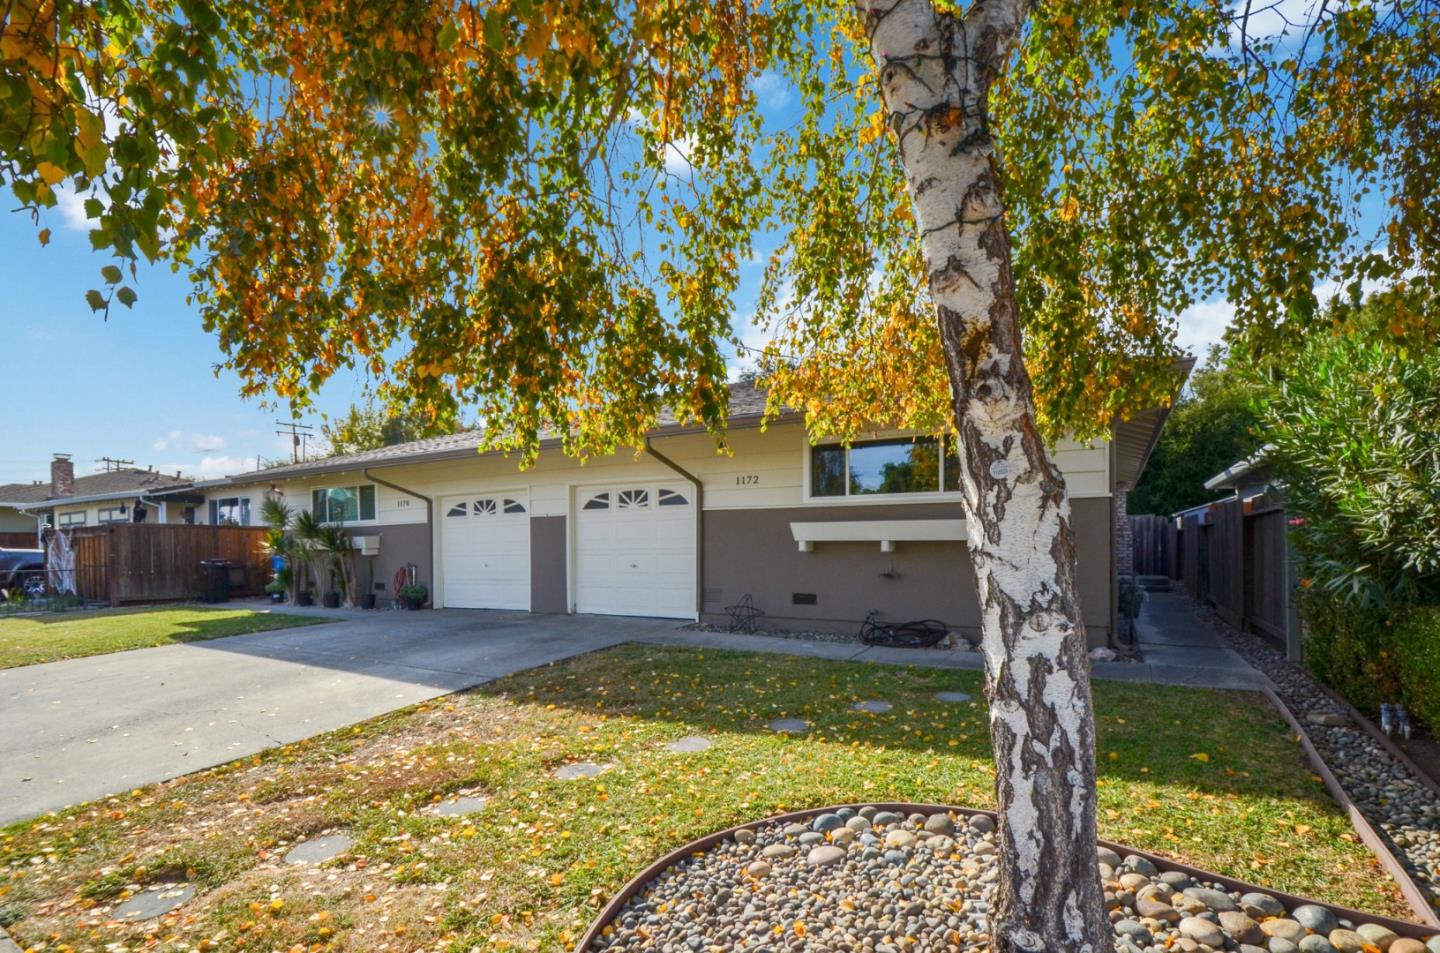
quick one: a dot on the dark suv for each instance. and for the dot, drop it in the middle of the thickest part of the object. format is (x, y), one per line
(22, 569)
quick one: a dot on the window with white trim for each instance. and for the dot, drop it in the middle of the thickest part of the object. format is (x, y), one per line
(113, 514)
(230, 510)
(68, 520)
(894, 466)
(343, 504)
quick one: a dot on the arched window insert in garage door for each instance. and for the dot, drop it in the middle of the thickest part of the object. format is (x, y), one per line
(487, 506)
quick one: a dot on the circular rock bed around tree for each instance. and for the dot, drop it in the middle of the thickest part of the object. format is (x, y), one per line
(915, 878)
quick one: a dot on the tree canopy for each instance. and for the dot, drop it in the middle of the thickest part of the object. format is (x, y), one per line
(370, 427)
(536, 210)
(1212, 425)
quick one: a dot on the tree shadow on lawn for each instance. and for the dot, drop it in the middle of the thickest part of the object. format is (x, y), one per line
(1202, 739)
(1205, 776)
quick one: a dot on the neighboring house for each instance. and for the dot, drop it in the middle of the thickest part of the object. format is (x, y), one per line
(126, 495)
(816, 536)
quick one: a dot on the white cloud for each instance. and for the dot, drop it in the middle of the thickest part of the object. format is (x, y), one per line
(677, 155)
(772, 91)
(1202, 325)
(206, 443)
(210, 466)
(168, 441)
(71, 206)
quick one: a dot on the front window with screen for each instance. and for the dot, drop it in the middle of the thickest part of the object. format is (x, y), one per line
(343, 504)
(890, 467)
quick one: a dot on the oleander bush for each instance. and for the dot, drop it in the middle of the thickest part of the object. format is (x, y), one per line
(1348, 647)
(1416, 641)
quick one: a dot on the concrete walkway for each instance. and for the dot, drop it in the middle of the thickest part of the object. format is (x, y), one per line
(83, 729)
(1174, 641)
(1197, 664)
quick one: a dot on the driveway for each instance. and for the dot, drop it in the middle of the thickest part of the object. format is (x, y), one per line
(82, 729)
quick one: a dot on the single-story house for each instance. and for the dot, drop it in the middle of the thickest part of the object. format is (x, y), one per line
(125, 495)
(817, 536)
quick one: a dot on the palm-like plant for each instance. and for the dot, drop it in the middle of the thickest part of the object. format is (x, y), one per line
(307, 530)
(281, 540)
(334, 541)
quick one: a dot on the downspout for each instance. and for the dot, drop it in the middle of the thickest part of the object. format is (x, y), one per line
(429, 517)
(699, 522)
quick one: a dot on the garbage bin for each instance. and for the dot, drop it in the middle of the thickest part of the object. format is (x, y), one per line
(216, 576)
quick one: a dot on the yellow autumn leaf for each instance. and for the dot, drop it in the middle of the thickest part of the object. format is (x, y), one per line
(1200, 756)
(50, 173)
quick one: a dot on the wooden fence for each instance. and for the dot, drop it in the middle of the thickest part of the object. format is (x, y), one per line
(159, 562)
(1153, 542)
(1233, 555)
(19, 540)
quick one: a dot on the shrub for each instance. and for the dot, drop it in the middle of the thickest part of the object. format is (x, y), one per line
(1416, 644)
(1354, 437)
(1349, 648)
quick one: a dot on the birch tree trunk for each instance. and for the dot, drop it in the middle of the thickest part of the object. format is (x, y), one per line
(935, 75)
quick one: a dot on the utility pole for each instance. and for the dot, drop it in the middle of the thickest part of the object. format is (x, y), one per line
(111, 464)
(299, 435)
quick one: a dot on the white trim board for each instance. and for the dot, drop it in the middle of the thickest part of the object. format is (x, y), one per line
(885, 532)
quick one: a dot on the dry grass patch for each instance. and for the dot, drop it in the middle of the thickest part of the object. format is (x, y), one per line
(1207, 777)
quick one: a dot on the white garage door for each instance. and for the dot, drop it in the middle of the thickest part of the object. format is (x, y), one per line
(635, 550)
(485, 551)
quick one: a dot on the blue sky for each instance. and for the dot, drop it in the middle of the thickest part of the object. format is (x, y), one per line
(141, 386)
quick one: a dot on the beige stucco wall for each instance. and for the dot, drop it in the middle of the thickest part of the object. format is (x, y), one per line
(753, 488)
(752, 552)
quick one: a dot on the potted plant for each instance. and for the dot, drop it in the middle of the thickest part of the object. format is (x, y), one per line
(414, 595)
(277, 587)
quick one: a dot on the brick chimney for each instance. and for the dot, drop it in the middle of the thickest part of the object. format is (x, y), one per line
(62, 476)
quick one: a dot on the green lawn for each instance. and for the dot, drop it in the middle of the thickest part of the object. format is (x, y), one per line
(1208, 777)
(61, 635)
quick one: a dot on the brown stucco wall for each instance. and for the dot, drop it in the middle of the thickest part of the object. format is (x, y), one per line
(400, 544)
(548, 592)
(752, 552)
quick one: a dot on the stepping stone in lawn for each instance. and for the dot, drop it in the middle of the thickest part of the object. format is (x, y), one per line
(874, 706)
(468, 804)
(789, 726)
(317, 850)
(688, 745)
(952, 697)
(152, 903)
(581, 769)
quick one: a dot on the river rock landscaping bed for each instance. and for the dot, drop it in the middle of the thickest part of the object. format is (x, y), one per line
(1402, 808)
(879, 881)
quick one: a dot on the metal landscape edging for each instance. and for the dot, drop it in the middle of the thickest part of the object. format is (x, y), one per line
(608, 913)
(1384, 740)
(1409, 889)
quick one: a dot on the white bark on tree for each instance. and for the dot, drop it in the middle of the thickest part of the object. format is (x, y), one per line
(936, 69)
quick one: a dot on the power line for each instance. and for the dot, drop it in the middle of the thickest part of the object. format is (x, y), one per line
(299, 437)
(111, 464)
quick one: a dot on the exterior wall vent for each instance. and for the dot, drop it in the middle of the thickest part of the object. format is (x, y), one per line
(802, 598)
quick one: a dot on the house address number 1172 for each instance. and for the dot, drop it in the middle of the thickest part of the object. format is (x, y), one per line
(747, 479)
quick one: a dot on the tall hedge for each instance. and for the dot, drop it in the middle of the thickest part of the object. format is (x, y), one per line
(1416, 649)
(1349, 648)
